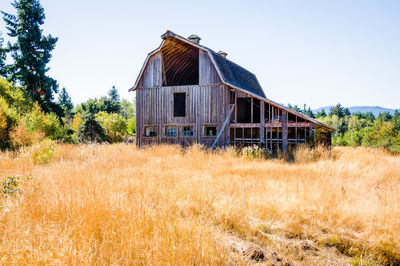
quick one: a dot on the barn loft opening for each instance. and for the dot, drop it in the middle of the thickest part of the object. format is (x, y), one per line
(180, 63)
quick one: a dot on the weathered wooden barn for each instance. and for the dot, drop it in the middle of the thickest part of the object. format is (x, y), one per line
(187, 93)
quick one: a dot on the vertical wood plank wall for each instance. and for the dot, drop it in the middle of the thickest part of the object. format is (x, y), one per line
(205, 106)
(207, 72)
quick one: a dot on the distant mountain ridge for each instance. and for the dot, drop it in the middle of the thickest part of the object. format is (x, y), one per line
(376, 110)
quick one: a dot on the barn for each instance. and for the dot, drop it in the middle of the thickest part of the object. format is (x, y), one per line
(186, 93)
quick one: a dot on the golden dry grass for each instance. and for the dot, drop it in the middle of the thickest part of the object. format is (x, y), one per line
(115, 204)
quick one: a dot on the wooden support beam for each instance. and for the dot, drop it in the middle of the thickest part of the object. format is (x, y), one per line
(235, 106)
(223, 126)
(251, 110)
(262, 121)
(284, 131)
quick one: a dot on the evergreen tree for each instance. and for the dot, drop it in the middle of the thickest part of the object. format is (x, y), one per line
(295, 108)
(321, 113)
(31, 53)
(384, 117)
(64, 100)
(340, 111)
(309, 112)
(114, 95)
(2, 57)
(91, 130)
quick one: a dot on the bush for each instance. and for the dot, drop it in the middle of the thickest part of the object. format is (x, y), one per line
(255, 152)
(43, 152)
(132, 126)
(20, 136)
(10, 186)
(114, 124)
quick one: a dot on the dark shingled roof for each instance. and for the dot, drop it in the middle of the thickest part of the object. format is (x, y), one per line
(237, 75)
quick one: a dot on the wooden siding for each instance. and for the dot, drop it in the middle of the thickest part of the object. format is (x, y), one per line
(152, 77)
(207, 73)
(205, 106)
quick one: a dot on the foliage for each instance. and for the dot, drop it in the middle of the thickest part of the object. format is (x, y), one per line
(31, 52)
(131, 126)
(339, 111)
(363, 129)
(20, 137)
(10, 186)
(114, 95)
(65, 102)
(115, 125)
(91, 130)
(255, 152)
(42, 152)
(2, 56)
(49, 124)
(321, 113)
(128, 109)
(94, 106)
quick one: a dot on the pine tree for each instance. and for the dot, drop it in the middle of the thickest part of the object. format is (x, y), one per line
(91, 130)
(2, 56)
(31, 52)
(321, 113)
(114, 95)
(64, 100)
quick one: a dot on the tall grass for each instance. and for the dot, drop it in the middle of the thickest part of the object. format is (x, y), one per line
(115, 204)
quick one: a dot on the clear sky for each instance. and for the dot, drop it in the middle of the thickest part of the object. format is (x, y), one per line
(313, 52)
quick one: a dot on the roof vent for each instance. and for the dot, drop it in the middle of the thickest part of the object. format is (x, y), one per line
(194, 38)
(223, 54)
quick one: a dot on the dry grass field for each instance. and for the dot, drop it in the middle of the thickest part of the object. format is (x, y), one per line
(115, 204)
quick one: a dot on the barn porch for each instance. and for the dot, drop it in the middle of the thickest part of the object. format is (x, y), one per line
(269, 125)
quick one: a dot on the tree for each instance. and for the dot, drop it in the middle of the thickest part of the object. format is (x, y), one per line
(91, 130)
(295, 108)
(384, 117)
(114, 95)
(321, 113)
(309, 112)
(128, 109)
(64, 100)
(2, 56)
(31, 52)
(340, 111)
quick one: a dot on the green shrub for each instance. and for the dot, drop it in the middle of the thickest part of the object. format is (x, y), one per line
(43, 152)
(255, 152)
(10, 186)
(114, 124)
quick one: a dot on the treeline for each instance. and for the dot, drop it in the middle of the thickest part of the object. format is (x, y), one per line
(29, 111)
(360, 129)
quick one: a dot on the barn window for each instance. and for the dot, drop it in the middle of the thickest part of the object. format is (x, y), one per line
(188, 131)
(179, 104)
(211, 131)
(150, 131)
(170, 131)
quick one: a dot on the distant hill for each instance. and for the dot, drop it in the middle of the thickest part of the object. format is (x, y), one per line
(376, 110)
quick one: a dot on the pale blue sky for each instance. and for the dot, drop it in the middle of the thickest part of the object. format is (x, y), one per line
(313, 52)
